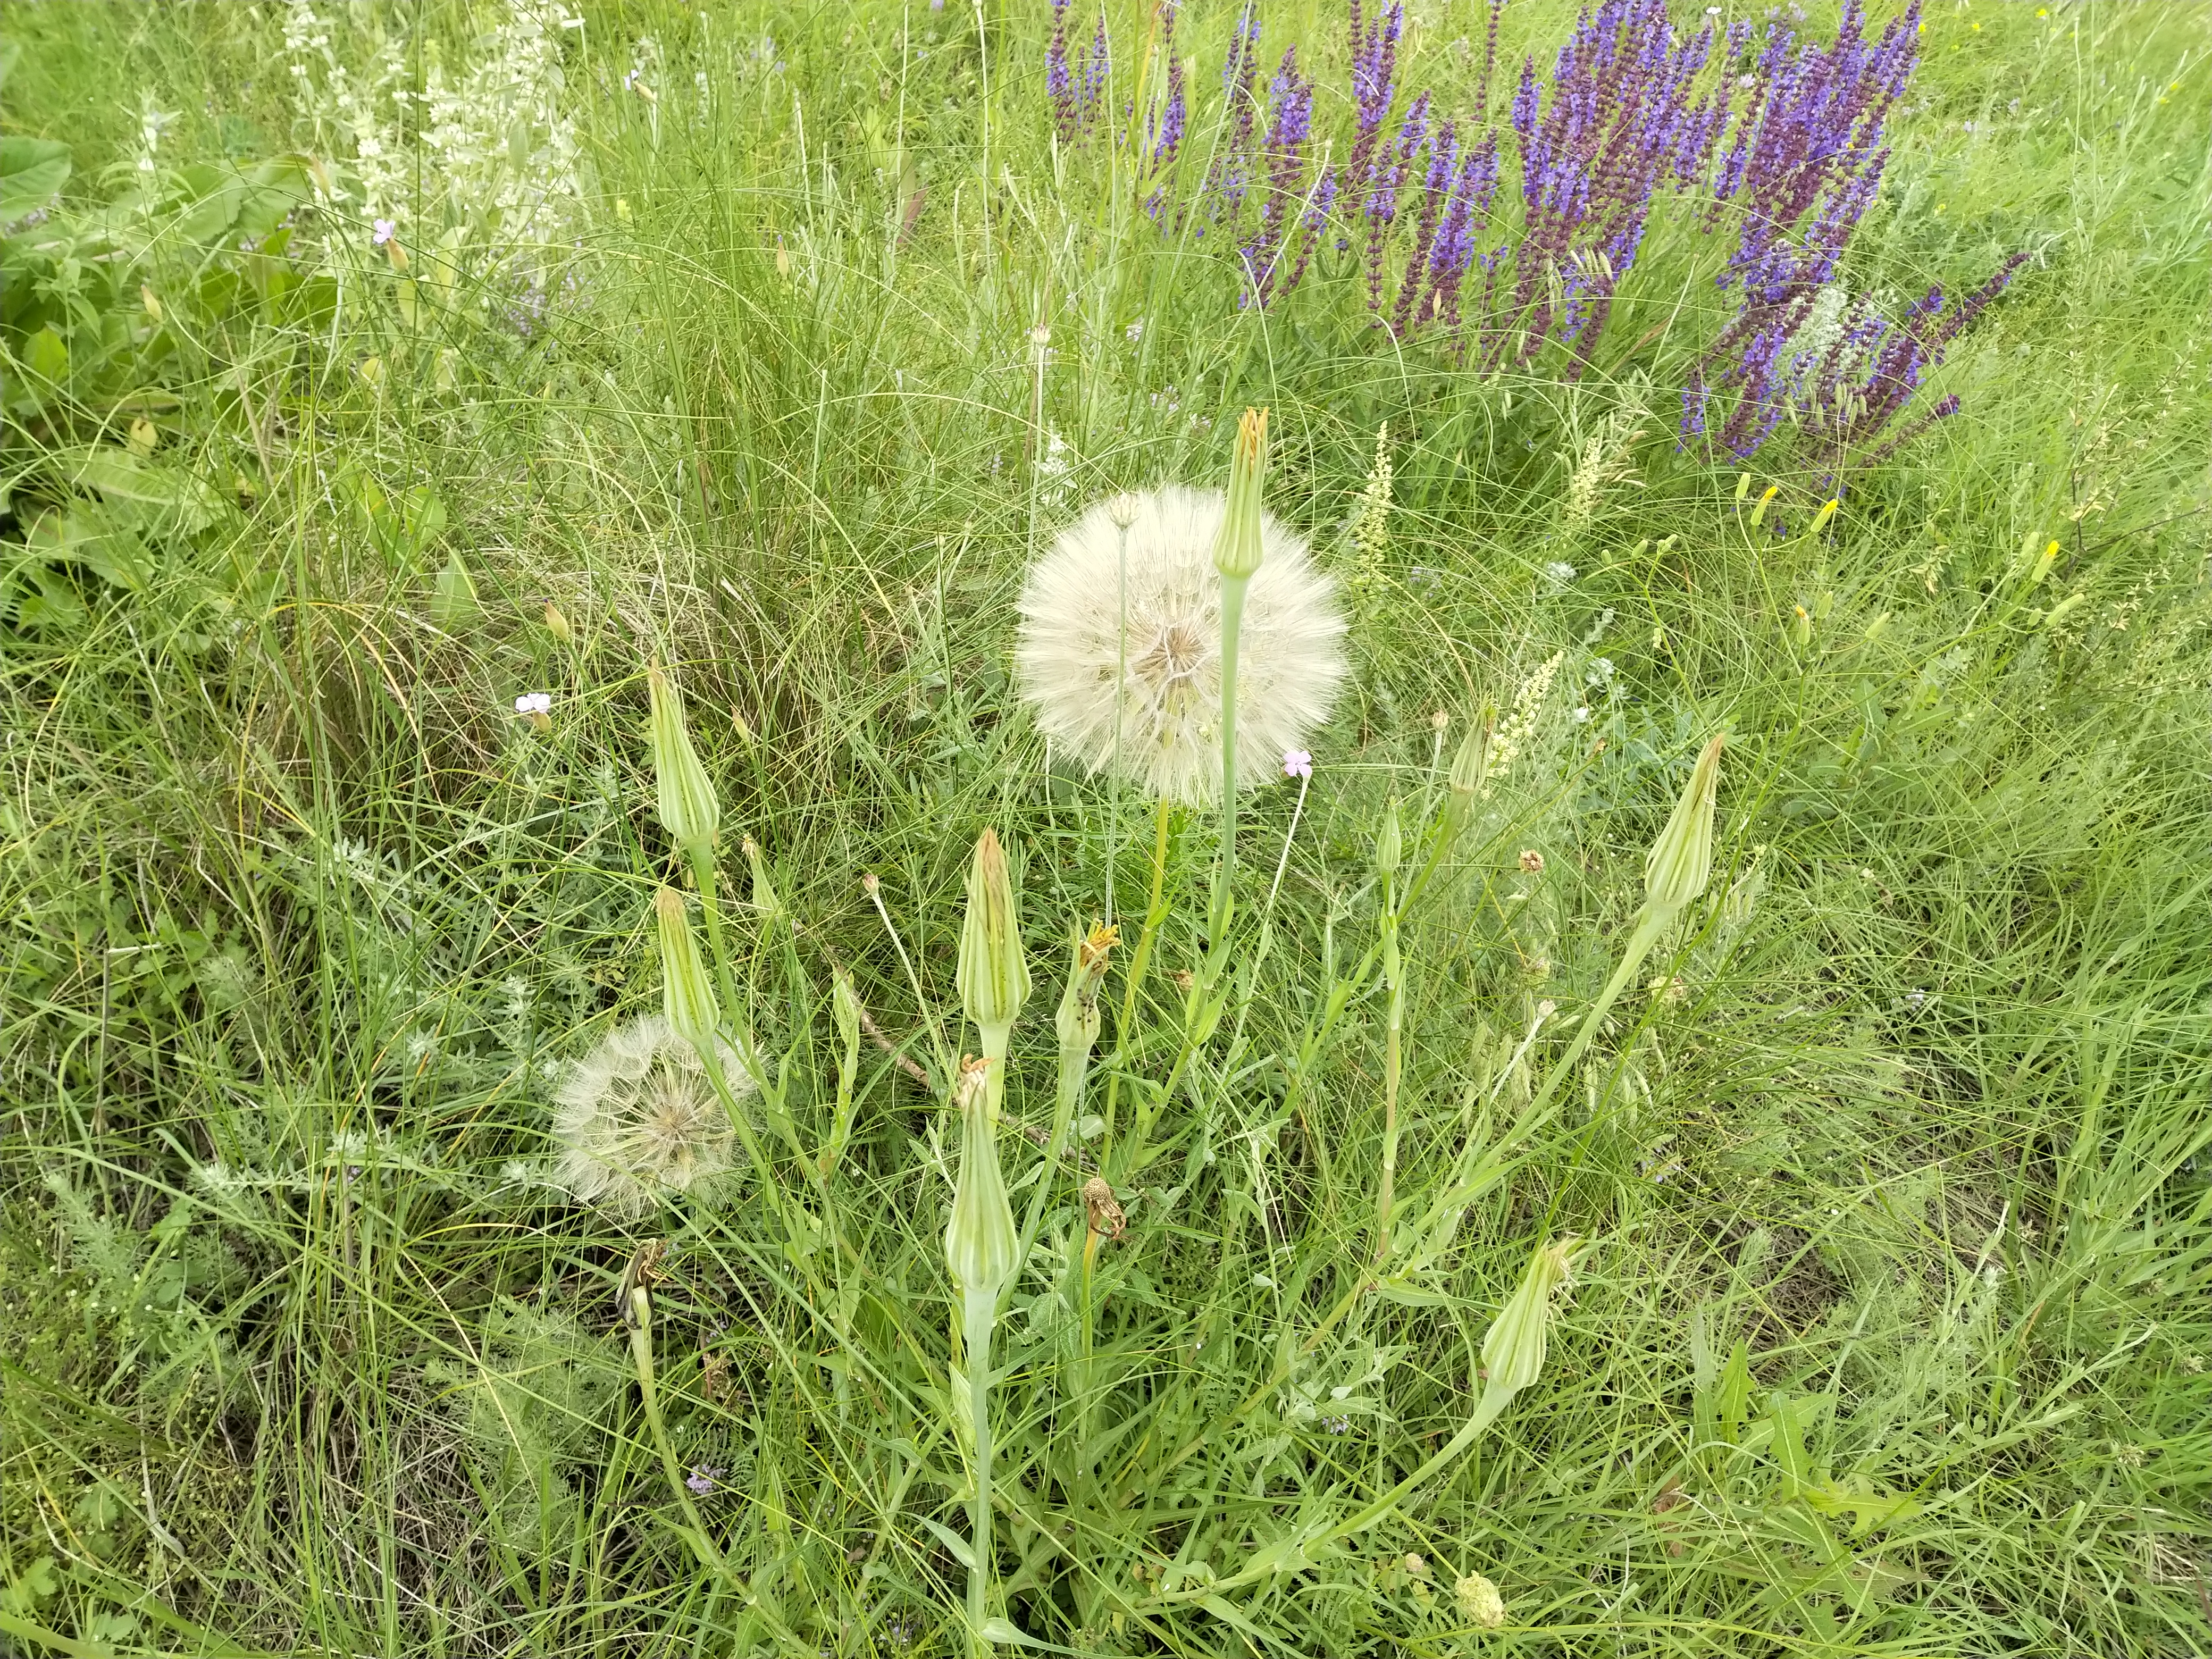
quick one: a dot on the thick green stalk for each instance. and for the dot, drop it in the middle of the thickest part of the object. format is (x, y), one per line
(1232, 622)
(979, 1314)
(1156, 913)
(703, 872)
(640, 1313)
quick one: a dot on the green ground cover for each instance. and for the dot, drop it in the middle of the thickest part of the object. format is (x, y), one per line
(776, 346)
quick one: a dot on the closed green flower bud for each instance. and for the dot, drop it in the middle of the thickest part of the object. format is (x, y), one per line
(845, 1008)
(1389, 843)
(766, 905)
(1513, 1352)
(1681, 860)
(688, 994)
(1236, 553)
(980, 1242)
(993, 978)
(1470, 768)
(689, 810)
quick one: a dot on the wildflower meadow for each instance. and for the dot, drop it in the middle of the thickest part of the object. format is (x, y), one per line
(1202, 827)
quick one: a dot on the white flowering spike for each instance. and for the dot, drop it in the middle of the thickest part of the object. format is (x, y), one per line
(639, 1122)
(1072, 651)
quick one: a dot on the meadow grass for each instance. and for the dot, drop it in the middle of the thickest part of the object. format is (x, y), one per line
(1890, 1335)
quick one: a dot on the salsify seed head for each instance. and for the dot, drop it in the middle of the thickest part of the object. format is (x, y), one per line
(639, 1121)
(1078, 642)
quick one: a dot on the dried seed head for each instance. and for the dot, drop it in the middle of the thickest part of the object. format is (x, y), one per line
(1531, 861)
(1103, 1213)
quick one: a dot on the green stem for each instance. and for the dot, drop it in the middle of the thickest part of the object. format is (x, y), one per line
(641, 1350)
(1394, 1026)
(1232, 622)
(703, 874)
(1156, 912)
(979, 1316)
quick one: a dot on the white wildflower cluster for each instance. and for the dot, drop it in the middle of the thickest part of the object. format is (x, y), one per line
(1371, 520)
(1056, 470)
(1595, 459)
(492, 148)
(1516, 728)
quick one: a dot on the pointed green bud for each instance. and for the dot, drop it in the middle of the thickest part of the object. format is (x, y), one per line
(1236, 553)
(845, 1008)
(687, 993)
(1470, 768)
(689, 810)
(980, 1242)
(993, 978)
(1513, 1352)
(1389, 843)
(766, 905)
(1681, 860)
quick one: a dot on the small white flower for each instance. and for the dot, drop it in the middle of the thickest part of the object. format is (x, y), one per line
(1558, 573)
(1296, 764)
(1040, 337)
(1135, 331)
(534, 702)
(1582, 716)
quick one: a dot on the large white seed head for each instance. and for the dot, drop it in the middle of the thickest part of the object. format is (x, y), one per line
(1152, 625)
(639, 1121)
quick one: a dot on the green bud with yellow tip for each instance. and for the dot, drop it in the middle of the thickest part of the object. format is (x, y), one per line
(1237, 551)
(980, 1242)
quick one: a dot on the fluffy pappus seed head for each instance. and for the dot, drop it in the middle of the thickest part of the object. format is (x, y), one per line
(1078, 642)
(639, 1121)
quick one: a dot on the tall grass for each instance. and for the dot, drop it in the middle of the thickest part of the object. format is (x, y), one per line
(1892, 1334)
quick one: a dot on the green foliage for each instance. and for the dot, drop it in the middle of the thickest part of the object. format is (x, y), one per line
(1894, 1150)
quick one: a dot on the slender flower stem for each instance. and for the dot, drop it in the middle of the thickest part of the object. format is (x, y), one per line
(1156, 913)
(703, 872)
(1289, 836)
(1232, 622)
(1394, 1026)
(640, 1320)
(978, 1315)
